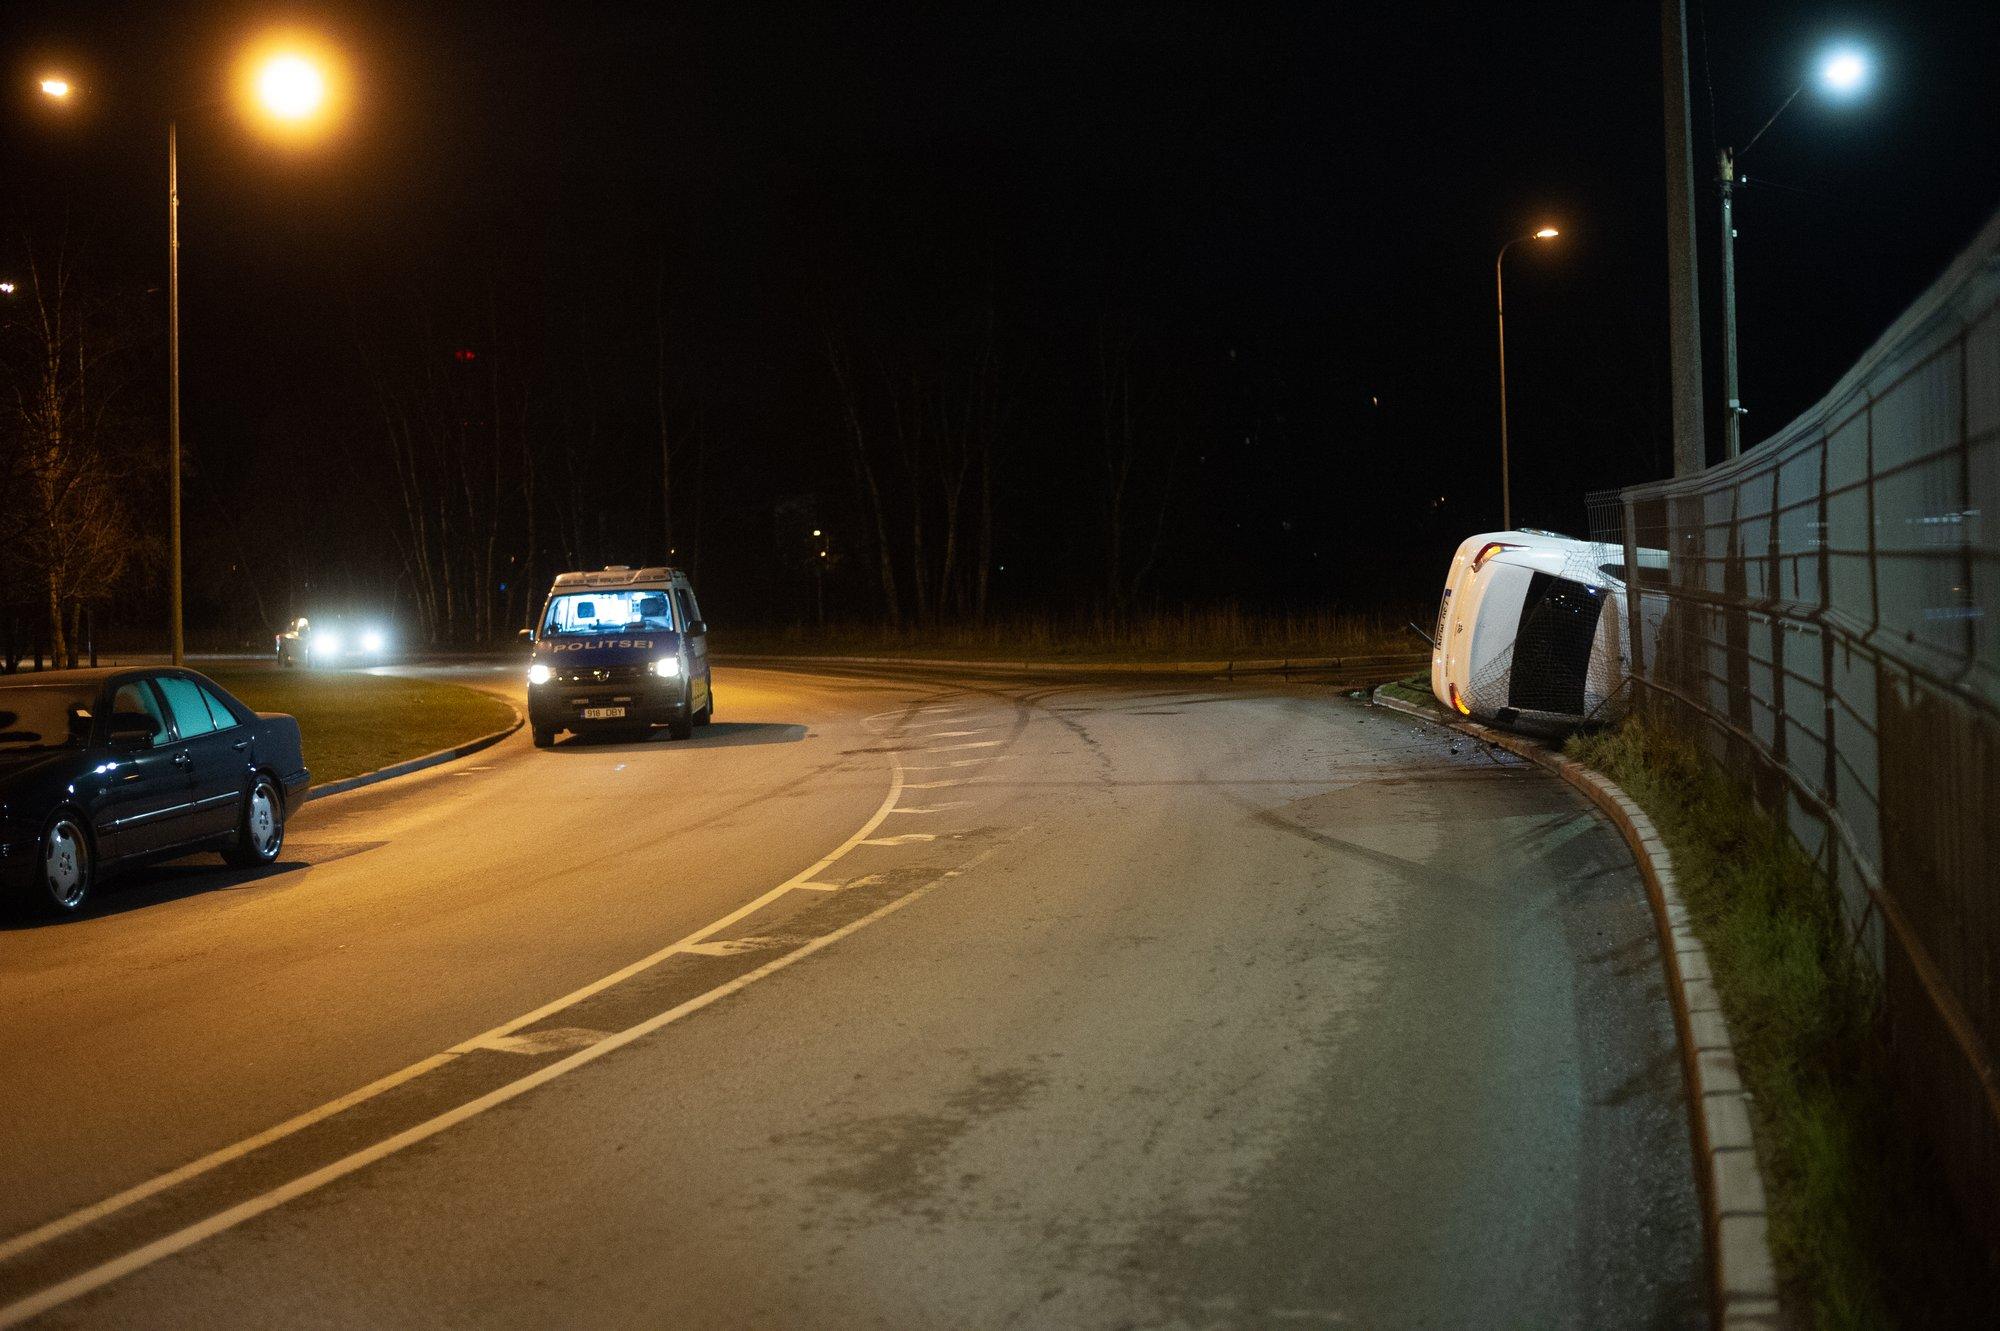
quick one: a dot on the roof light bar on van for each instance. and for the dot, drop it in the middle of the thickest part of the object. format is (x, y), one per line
(1490, 549)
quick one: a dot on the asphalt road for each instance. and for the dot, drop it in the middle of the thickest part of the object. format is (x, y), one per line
(886, 1001)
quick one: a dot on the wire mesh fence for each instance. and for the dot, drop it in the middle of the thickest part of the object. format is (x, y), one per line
(1828, 624)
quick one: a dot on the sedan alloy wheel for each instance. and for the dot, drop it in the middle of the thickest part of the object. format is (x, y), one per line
(66, 864)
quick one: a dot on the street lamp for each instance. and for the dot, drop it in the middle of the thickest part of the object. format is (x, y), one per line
(1843, 71)
(1500, 309)
(290, 87)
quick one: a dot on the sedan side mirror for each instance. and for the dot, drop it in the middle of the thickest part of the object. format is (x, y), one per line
(526, 635)
(133, 730)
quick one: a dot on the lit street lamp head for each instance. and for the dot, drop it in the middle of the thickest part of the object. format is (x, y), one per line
(1844, 71)
(58, 88)
(1547, 233)
(291, 87)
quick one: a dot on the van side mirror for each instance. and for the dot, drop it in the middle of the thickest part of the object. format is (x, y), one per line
(698, 629)
(526, 635)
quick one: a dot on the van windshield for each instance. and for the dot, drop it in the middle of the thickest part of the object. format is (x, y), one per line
(628, 610)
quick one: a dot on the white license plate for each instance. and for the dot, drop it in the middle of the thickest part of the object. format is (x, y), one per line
(603, 713)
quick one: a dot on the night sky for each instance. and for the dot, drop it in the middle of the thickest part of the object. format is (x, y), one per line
(1287, 213)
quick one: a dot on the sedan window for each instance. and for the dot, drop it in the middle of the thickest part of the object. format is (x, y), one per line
(191, 716)
(42, 716)
(218, 710)
(137, 698)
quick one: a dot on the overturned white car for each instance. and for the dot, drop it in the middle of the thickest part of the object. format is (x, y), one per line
(1533, 631)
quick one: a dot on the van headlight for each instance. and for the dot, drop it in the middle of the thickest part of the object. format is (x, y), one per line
(538, 673)
(668, 667)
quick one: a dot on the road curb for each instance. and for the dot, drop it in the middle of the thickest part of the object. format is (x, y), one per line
(1257, 666)
(412, 765)
(1743, 1281)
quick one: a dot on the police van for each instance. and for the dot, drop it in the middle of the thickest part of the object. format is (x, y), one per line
(619, 650)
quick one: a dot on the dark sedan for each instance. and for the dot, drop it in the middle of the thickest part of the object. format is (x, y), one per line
(104, 769)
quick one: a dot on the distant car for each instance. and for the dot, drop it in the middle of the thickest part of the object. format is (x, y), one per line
(1533, 630)
(619, 649)
(104, 769)
(303, 643)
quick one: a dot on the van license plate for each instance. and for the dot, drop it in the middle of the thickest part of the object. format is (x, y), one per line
(602, 713)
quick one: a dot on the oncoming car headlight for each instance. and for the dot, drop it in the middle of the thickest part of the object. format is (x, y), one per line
(668, 667)
(326, 644)
(372, 642)
(538, 673)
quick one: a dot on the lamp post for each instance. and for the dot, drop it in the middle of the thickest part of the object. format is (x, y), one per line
(290, 88)
(1500, 309)
(819, 575)
(1842, 71)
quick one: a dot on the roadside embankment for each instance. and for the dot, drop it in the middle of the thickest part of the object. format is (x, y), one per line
(1218, 633)
(354, 723)
(1341, 671)
(1861, 1228)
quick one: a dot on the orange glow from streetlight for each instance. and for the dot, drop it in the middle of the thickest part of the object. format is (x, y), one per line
(1547, 233)
(57, 88)
(291, 87)
(291, 84)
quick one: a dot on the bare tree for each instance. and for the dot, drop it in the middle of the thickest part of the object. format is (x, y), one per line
(871, 490)
(1139, 446)
(71, 457)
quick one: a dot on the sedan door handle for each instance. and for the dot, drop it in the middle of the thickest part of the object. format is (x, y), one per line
(240, 745)
(182, 760)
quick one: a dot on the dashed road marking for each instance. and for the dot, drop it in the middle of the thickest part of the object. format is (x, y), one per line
(865, 880)
(97, 1277)
(555, 1040)
(731, 947)
(900, 839)
(969, 744)
(89, 1215)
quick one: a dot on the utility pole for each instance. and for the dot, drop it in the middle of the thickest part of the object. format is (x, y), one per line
(179, 647)
(1732, 404)
(1506, 484)
(1683, 290)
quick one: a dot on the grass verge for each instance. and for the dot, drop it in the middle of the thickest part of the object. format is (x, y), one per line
(1861, 1230)
(354, 723)
(1224, 633)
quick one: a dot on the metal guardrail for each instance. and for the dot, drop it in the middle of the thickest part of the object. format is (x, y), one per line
(1829, 625)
